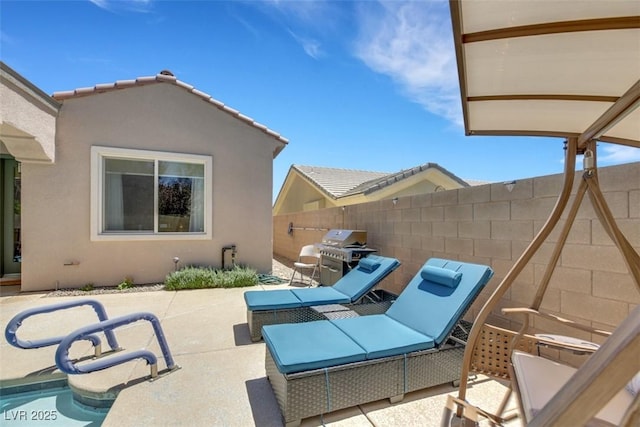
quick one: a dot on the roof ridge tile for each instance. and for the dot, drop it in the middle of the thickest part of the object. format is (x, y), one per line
(84, 90)
(184, 85)
(121, 84)
(216, 103)
(340, 182)
(146, 79)
(230, 110)
(105, 86)
(201, 94)
(165, 77)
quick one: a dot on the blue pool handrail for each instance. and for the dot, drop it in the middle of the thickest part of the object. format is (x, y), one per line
(69, 367)
(11, 330)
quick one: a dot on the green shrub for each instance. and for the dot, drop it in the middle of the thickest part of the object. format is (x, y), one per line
(87, 288)
(204, 277)
(127, 283)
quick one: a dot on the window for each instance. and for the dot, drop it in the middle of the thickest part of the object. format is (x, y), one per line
(140, 194)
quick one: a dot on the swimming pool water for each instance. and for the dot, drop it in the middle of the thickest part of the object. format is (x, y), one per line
(54, 407)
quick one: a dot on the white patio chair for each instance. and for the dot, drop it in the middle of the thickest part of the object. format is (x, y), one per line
(308, 259)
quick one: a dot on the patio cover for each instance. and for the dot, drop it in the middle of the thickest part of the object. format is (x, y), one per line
(550, 68)
(567, 69)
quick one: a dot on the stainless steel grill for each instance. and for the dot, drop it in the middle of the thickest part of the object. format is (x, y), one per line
(348, 255)
(340, 251)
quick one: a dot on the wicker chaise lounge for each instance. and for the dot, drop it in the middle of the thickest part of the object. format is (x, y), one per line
(322, 366)
(302, 305)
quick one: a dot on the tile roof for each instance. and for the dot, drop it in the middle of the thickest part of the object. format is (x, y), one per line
(374, 185)
(347, 182)
(336, 182)
(166, 77)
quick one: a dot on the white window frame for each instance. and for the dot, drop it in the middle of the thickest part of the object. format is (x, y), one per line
(99, 153)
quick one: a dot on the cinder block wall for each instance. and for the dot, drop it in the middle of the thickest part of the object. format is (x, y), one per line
(491, 225)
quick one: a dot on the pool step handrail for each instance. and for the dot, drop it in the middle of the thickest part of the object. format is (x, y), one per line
(14, 324)
(66, 365)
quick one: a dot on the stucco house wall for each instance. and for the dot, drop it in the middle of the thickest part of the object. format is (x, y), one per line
(57, 247)
(27, 119)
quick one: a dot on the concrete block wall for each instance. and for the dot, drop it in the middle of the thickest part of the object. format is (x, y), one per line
(491, 225)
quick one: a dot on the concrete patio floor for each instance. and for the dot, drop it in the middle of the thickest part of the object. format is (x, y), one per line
(222, 379)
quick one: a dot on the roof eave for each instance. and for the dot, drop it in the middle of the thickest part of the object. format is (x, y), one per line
(52, 105)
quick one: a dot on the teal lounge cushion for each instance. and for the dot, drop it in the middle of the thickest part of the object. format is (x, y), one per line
(433, 309)
(381, 336)
(320, 296)
(368, 264)
(441, 276)
(301, 347)
(349, 289)
(271, 300)
(359, 281)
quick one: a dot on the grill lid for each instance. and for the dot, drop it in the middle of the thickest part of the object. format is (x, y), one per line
(345, 238)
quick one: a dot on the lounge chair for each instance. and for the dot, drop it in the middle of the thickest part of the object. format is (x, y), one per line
(326, 365)
(308, 304)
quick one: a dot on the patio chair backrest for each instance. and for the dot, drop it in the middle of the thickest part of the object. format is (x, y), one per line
(434, 308)
(368, 273)
(309, 251)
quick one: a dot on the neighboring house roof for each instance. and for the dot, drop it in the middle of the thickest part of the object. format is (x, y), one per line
(389, 179)
(168, 77)
(347, 182)
(337, 182)
(315, 187)
(475, 182)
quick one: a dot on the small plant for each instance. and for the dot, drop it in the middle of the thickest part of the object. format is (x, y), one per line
(127, 283)
(87, 288)
(205, 277)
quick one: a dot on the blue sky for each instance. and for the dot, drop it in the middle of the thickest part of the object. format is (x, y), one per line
(364, 85)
